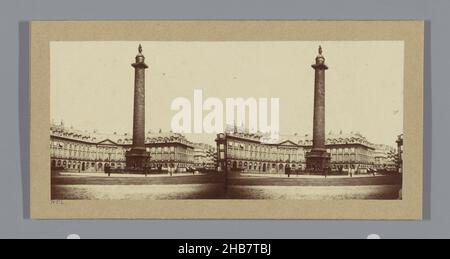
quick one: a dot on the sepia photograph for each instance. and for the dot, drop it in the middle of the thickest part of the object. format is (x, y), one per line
(226, 120)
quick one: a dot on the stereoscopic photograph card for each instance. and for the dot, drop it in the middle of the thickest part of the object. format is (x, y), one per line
(226, 119)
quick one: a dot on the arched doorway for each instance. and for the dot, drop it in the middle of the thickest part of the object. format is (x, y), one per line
(53, 163)
(83, 166)
(234, 165)
(264, 167)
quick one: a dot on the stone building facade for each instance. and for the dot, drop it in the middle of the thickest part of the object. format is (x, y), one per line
(246, 152)
(204, 156)
(348, 151)
(82, 151)
(383, 160)
(170, 150)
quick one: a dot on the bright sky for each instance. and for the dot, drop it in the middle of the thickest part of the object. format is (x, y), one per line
(92, 83)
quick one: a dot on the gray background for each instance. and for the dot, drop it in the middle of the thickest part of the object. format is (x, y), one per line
(14, 115)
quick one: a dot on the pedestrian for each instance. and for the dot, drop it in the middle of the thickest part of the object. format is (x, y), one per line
(107, 170)
(288, 171)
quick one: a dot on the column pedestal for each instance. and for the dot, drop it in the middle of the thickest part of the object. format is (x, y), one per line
(318, 161)
(137, 159)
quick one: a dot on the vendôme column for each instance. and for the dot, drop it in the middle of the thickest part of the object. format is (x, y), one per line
(137, 157)
(318, 159)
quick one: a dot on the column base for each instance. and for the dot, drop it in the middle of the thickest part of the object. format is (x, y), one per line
(137, 159)
(318, 162)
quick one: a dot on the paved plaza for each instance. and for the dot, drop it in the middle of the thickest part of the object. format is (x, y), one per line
(75, 186)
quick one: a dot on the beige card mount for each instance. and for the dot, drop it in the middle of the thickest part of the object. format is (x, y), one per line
(226, 119)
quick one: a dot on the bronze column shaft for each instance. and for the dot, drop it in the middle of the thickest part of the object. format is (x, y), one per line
(319, 109)
(139, 107)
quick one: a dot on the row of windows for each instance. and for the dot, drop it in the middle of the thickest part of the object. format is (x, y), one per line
(118, 157)
(69, 164)
(264, 167)
(70, 146)
(351, 157)
(250, 147)
(67, 150)
(261, 148)
(277, 151)
(81, 147)
(241, 150)
(265, 156)
(178, 157)
(60, 153)
(171, 149)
